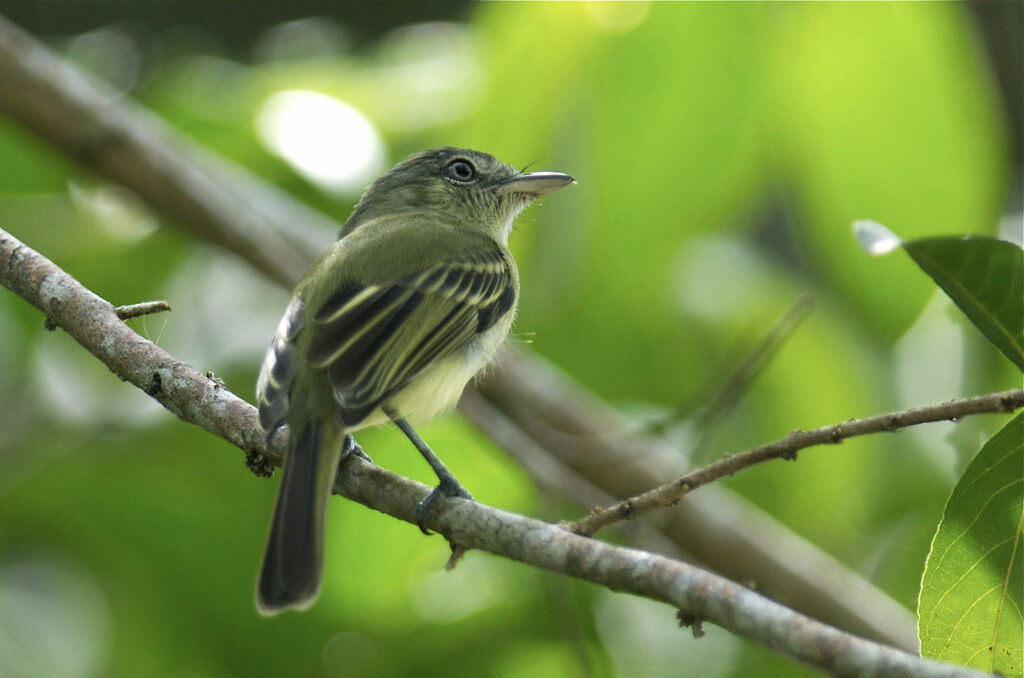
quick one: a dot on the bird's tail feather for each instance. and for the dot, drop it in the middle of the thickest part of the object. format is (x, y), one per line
(294, 561)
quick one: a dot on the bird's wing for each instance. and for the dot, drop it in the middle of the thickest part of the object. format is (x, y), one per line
(373, 339)
(273, 389)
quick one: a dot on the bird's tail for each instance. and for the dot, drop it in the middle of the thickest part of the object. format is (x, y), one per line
(294, 561)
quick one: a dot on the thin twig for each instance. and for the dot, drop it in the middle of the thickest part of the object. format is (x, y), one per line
(701, 595)
(786, 448)
(715, 527)
(128, 311)
(739, 382)
(728, 395)
(143, 308)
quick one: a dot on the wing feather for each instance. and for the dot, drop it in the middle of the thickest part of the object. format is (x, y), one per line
(280, 366)
(357, 332)
(374, 339)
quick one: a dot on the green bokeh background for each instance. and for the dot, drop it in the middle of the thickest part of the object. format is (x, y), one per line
(722, 152)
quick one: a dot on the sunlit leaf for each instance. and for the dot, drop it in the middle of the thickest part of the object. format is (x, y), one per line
(985, 278)
(969, 610)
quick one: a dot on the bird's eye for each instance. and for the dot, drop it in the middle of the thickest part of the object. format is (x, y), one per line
(460, 170)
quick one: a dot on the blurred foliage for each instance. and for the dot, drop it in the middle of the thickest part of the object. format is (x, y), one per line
(723, 151)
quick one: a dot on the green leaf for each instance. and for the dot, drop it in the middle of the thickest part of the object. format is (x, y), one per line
(985, 278)
(969, 611)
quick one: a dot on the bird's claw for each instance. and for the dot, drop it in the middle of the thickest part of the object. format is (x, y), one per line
(447, 488)
(350, 446)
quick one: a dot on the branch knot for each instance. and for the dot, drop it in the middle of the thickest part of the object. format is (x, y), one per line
(155, 384)
(259, 463)
(694, 622)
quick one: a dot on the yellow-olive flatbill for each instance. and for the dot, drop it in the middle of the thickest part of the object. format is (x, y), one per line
(387, 325)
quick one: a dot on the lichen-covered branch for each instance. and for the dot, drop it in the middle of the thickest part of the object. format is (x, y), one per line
(94, 323)
(701, 595)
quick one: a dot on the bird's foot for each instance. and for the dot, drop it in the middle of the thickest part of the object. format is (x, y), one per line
(350, 446)
(449, 487)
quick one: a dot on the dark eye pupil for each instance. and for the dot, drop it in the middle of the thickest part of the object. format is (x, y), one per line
(461, 170)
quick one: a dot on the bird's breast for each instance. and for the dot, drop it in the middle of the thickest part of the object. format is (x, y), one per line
(437, 390)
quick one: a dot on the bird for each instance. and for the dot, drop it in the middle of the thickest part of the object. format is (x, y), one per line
(387, 325)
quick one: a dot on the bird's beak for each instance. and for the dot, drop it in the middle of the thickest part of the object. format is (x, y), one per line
(535, 184)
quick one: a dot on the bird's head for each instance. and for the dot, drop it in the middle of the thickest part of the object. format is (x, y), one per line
(462, 187)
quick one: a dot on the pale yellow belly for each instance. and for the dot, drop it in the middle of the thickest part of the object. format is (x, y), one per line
(438, 389)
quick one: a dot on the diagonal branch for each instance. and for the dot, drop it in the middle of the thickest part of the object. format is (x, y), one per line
(92, 123)
(93, 322)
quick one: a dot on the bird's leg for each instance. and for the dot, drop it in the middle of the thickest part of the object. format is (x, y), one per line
(448, 487)
(350, 446)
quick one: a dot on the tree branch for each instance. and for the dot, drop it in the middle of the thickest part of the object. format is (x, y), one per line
(117, 139)
(672, 492)
(701, 595)
(94, 323)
